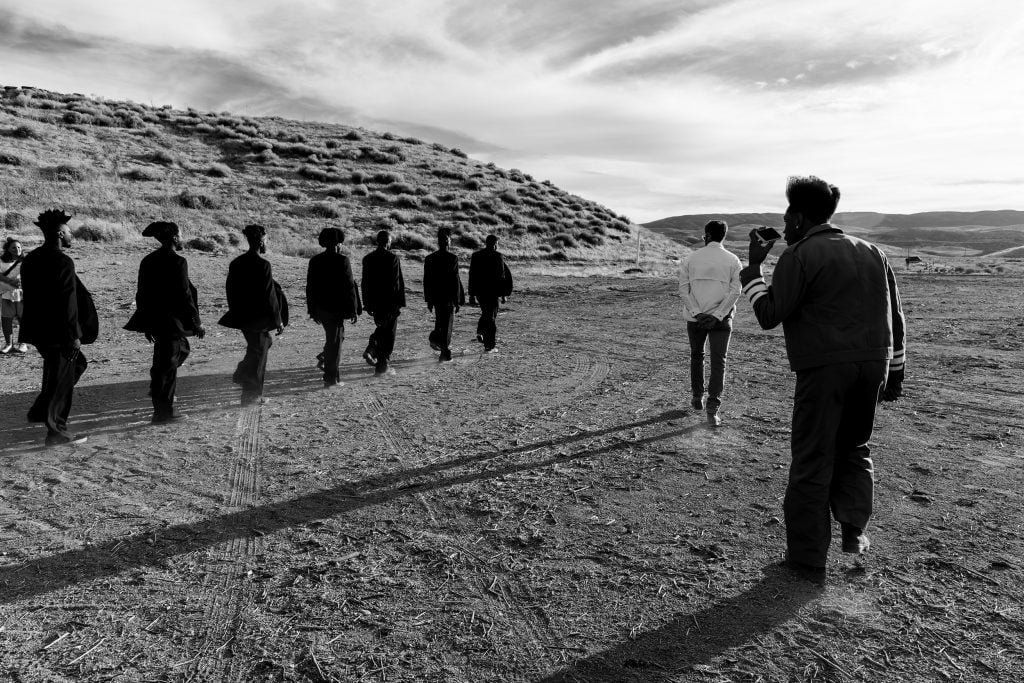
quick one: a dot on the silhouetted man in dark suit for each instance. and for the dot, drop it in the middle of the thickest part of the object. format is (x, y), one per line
(167, 312)
(384, 298)
(489, 282)
(256, 305)
(59, 317)
(442, 289)
(331, 299)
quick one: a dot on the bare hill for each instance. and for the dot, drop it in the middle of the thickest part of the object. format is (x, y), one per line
(119, 165)
(931, 232)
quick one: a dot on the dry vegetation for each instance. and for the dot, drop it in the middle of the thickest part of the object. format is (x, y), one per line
(119, 165)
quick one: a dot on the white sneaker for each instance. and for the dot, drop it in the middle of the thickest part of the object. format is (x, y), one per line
(7, 349)
(21, 348)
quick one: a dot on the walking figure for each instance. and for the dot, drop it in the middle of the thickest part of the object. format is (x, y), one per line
(384, 298)
(331, 298)
(442, 289)
(167, 312)
(490, 282)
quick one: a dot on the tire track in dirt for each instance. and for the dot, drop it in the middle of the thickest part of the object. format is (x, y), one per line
(230, 598)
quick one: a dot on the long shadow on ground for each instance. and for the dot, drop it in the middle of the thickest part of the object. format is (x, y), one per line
(695, 638)
(143, 549)
(123, 406)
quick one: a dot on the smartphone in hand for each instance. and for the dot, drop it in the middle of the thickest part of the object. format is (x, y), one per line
(766, 235)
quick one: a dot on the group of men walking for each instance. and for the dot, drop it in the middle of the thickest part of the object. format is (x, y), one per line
(835, 296)
(59, 315)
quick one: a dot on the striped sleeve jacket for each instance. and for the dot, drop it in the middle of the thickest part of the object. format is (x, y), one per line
(836, 298)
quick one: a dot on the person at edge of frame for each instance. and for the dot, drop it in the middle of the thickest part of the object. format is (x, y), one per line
(490, 282)
(11, 295)
(59, 317)
(331, 298)
(384, 298)
(443, 292)
(167, 313)
(837, 300)
(256, 306)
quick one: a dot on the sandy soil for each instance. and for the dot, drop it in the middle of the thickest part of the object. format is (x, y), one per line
(553, 512)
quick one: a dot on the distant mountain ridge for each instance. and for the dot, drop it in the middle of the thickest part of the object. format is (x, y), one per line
(693, 223)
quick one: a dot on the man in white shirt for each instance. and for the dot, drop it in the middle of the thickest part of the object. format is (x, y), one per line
(709, 284)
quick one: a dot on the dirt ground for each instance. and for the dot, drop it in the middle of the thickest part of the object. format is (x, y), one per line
(552, 512)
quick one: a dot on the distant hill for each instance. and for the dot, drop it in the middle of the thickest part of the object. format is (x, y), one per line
(116, 166)
(933, 232)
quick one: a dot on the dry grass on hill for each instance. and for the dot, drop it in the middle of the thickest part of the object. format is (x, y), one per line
(119, 165)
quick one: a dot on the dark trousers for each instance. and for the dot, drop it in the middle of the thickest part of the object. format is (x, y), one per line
(833, 415)
(444, 323)
(382, 341)
(62, 368)
(169, 353)
(717, 338)
(487, 326)
(334, 334)
(251, 372)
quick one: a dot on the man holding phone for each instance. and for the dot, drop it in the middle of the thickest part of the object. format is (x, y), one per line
(709, 283)
(836, 298)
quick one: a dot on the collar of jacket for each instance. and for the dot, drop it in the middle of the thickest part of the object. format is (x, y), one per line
(816, 230)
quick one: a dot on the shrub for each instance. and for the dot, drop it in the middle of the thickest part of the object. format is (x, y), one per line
(472, 184)
(267, 156)
(357, 177)
(509, 197)
(76, 117)
(260, 145)
(163, 157)
(25, 132)
(292, 245)
(66, 172)
(590, 239)
(545, 248)
(430, 200)
(564, 239)
(468, 241)
(276, 183)
(101, 231)
(331, 144)
(202, 243)
(412, 141)
(352, 135)
(323, 210)
(380, 197)
(15, 221)
(142, 173)
(449, 174)
(407, 201)
(10, 159)
(197, 200)
(487, 219)
(410, 241)
(386, 178)
(401, 188)
(337, 192)
(218, 170)
(360, 191)
(289, 195)
(506, 217)
(459, 153)
(557, 256)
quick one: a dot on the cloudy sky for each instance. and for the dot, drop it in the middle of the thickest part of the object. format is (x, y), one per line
(653, 107)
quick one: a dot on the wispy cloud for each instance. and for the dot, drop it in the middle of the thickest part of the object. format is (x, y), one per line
(655, 107)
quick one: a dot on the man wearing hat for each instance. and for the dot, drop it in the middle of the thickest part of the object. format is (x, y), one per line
(442, 288)
(59, 316)
(331, 298)
(256, 305)
(489, 282)
(383, 297)
(167, 312)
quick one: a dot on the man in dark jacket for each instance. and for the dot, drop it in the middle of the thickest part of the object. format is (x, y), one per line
(837, 300)
(256, 305)
(58, 318)
(383, 297)
(489, 282)
(167, 312)
(331, 299)
(442, 289)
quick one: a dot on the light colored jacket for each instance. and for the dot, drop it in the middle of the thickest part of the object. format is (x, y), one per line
(709, 282)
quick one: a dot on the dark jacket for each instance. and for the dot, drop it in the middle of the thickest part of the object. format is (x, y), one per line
(166, 301)
(58, 307)
(255, 301)
(442, 285)
(383, 285)
(836, 298)
(489, 277)
(331, 291)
